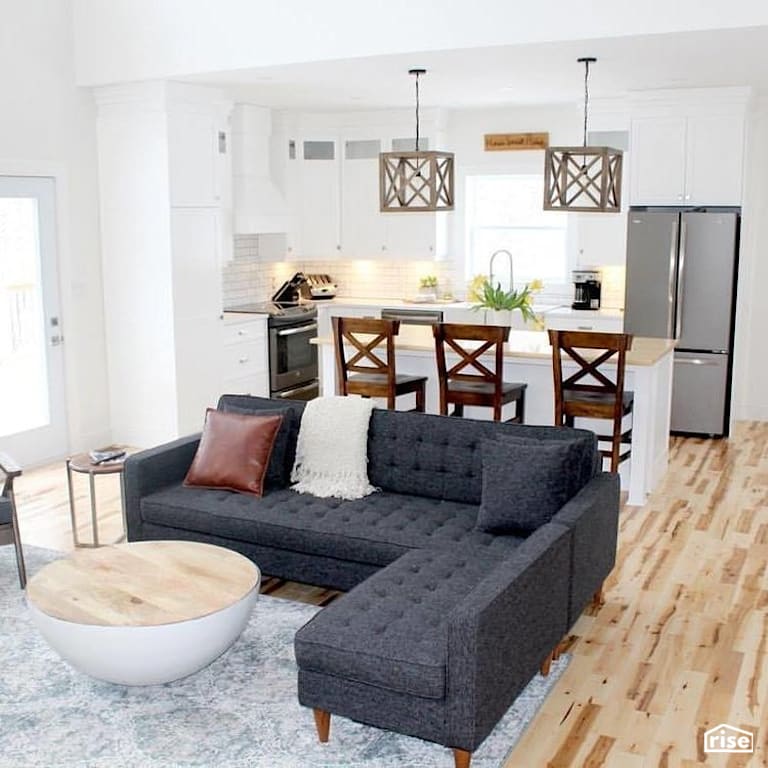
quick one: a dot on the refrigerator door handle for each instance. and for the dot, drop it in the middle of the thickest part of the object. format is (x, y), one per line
(671, 280)
(694, 361)
(680, 275)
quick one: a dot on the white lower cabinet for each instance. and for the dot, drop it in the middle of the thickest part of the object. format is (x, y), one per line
(585, 321)
(245, 361)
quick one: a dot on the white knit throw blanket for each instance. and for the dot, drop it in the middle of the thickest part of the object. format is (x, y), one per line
(332, 449)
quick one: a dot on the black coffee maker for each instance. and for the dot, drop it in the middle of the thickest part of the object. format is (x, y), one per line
(586, 289)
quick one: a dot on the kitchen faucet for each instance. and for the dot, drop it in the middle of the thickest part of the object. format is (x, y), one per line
(490, 267)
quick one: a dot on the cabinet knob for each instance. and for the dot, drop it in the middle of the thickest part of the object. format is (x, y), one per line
(679, 197)
(241, 332)
(687, 197)
(243, 360)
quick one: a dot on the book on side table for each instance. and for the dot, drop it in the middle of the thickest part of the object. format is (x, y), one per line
(111, 453)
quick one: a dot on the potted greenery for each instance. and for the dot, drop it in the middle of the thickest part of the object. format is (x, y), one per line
(428, 287)
(500, 304)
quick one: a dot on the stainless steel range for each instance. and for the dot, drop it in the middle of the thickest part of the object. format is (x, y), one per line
(293, 371)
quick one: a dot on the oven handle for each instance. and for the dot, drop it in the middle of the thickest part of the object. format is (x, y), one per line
(288, 392)
(300, 329)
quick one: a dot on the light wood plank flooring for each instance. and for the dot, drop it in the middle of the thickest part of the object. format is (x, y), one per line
(680, 645)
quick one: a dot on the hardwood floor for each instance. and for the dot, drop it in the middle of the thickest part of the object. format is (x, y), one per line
(680, 645)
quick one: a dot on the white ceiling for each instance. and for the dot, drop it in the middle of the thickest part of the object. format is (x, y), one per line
(524, 74)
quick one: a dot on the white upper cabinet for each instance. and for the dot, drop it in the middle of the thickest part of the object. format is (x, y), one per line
(198, 157)
(313, 193)
(693, 160)
(363, 228)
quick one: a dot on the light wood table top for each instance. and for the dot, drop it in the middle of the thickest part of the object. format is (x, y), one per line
(525, 345)
(81, 462)
(140, 584)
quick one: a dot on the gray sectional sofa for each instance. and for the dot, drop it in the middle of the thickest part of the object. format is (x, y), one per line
(443, 624)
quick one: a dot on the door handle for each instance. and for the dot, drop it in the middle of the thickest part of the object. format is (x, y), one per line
(680, 276)
(693, 361)
(300, 329)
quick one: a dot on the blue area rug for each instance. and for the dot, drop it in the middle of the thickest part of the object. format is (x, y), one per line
(241, 712)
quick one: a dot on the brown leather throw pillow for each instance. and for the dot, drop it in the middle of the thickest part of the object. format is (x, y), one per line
(234, 452)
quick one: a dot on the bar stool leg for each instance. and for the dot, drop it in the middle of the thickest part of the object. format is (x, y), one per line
(421, 398)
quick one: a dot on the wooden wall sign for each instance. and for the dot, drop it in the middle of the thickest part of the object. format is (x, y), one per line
(507, 142)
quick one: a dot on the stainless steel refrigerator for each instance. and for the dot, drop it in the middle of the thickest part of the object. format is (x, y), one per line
(681, 284)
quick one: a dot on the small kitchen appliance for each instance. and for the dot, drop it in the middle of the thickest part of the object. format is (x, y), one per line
(586, 289)
(318, 287)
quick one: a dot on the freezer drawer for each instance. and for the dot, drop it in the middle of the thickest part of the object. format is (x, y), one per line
(699, 393)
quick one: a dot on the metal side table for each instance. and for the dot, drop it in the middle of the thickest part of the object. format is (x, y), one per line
(82, 463)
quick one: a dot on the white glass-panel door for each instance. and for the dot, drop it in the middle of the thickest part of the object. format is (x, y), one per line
(33, 425)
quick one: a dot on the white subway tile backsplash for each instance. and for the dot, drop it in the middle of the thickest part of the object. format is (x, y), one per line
(257, 271)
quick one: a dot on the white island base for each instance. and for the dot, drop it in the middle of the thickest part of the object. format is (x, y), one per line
(528, 358)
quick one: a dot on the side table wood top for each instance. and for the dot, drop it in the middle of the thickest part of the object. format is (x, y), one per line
(81, 462)
(140, 584)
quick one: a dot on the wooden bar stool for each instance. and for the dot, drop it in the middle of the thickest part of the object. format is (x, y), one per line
(589, 392)
(471, 381)
(370, 371)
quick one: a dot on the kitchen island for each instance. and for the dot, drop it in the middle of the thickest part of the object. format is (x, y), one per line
(528, 358)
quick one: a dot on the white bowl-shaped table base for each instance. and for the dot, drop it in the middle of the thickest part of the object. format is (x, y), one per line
(144, 613)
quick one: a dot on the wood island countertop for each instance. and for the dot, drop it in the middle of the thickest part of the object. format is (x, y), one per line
(530, 345)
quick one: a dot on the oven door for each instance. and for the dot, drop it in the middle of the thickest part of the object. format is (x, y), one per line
(292, 359)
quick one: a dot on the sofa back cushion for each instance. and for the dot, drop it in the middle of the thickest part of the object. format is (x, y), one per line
(441, 457)
(284, 450)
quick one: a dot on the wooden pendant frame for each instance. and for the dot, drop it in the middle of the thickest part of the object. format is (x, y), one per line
(416, 181)
(583, 179)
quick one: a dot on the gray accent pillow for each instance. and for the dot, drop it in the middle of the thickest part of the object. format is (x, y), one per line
(525, 482)
(278, 471)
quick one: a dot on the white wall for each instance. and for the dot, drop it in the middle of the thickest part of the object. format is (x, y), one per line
(750, 378)
(124, 40)
(48, 128)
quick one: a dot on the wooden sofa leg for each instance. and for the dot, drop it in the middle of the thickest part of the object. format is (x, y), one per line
(546, 664)
(322, 723)
(598, 599)
(461, 758)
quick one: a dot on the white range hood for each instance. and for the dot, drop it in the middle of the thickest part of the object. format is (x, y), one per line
(259, 206)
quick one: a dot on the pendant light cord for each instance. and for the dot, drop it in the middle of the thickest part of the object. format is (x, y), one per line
(417, 111)
(586, 99)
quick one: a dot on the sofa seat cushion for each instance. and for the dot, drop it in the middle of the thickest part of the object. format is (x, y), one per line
(391, 630)
(376, 530)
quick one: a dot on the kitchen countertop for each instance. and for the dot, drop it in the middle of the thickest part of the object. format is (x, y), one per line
(526, 344)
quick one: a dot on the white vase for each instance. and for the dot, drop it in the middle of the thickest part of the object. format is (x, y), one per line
(498, 317)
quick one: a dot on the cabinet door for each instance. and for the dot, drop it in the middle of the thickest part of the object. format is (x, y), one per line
(363, 226)
(601, 239)
(715, 150)
(319, 207)
(657, 158)
(411, 235)
(193, 159)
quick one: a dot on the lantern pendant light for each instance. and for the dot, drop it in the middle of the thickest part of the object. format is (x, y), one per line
(583, 178)
(416, 181)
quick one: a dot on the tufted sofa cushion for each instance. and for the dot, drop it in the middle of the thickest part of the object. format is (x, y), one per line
(377, 529)
(441, 458)
(390, 631)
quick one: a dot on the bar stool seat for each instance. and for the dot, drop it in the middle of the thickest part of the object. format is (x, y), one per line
(370, 369)
(577, 401)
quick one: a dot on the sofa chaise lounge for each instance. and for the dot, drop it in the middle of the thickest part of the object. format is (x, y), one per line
(443, 624)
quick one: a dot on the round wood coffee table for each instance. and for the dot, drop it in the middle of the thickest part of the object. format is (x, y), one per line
(146, 612)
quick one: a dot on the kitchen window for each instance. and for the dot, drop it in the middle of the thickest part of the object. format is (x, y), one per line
(505, 211)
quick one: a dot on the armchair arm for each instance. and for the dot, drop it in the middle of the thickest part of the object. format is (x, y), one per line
(502, 631)
(11, 470)
(153, 469)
